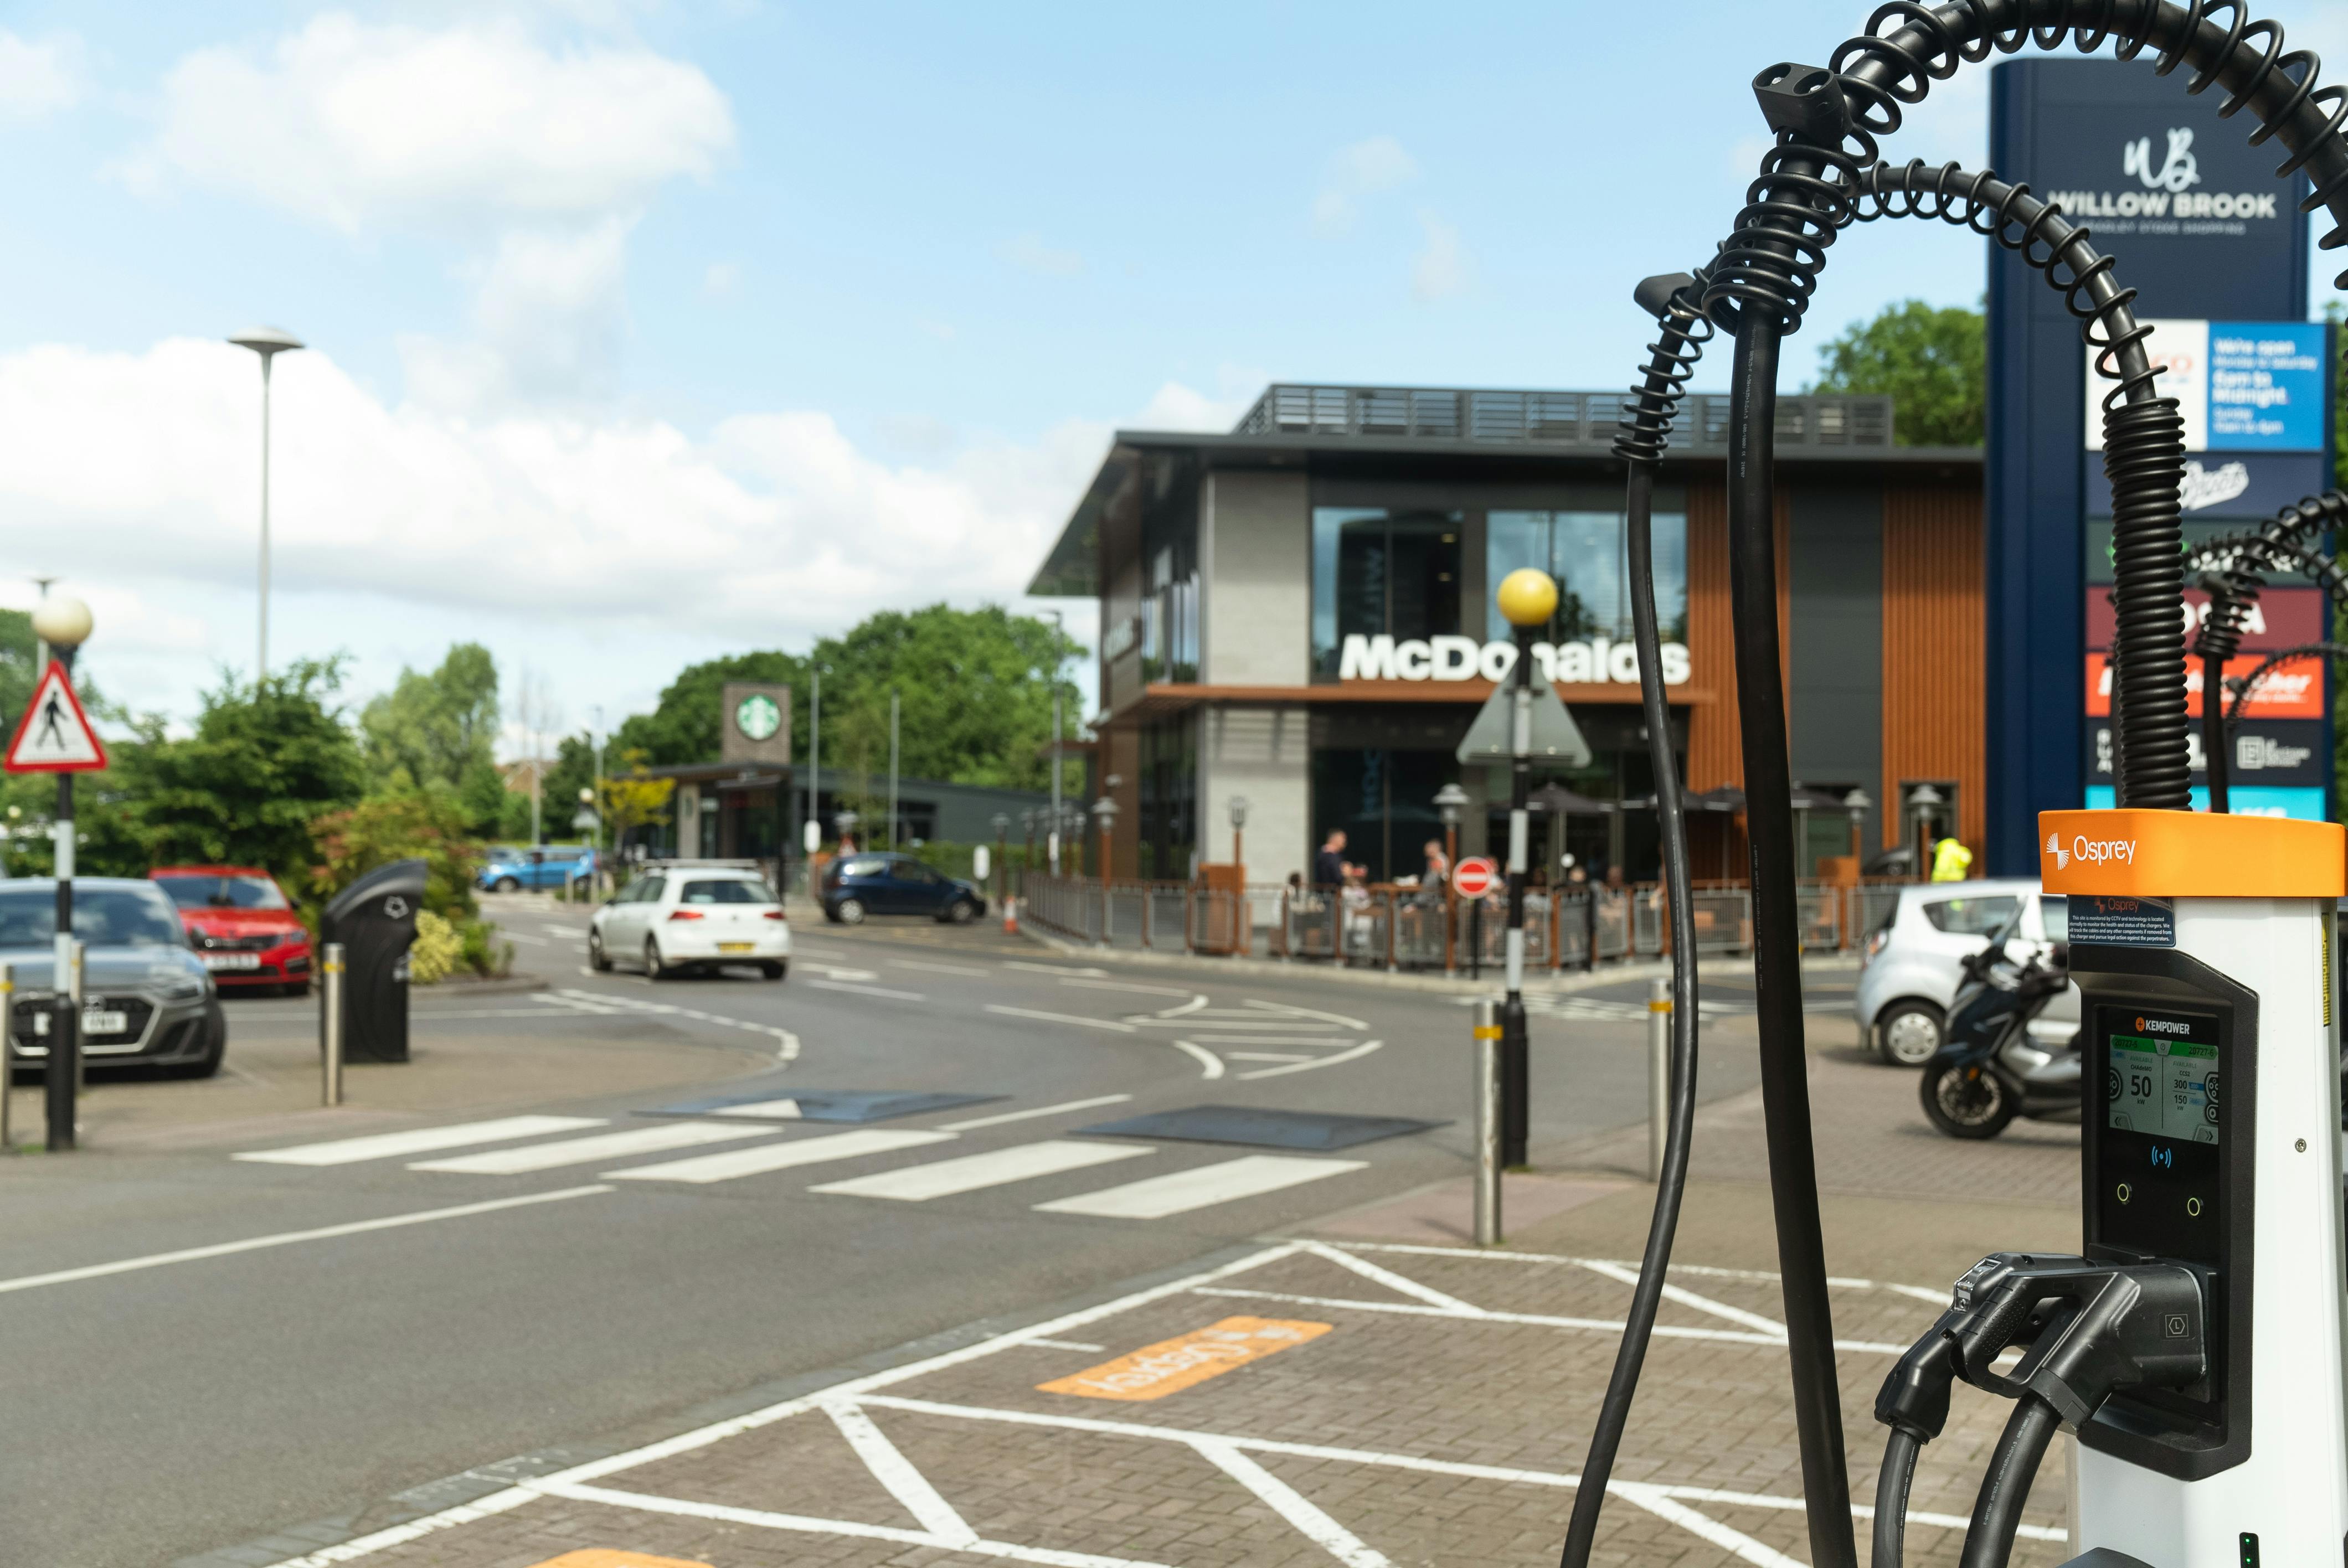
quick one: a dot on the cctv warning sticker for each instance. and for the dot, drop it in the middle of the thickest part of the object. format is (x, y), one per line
(2109, 920)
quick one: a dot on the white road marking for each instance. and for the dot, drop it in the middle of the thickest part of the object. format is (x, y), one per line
(587, 1151)
(576, 933)
(1690, 1299)
(1362, 1049)
(1216, 1037)
(579, 1001)
(1130, 986)
(1067, 1345)
(1399, 1283)
(1336, 1018)
(1051, 968)
(286, 1238)
(1210, 1065)
(787, 1045)
(1262, 1055)
(1290, 1504)
(1110, 1024)
(1180, 1192)
(975, 1124)
(939, 969)
(995, 1168)
(419, 1140)
(868, 991)
(513, 936)
(838, 973)
(735, 1163)
(1545, 1320)
(1707, 1271)
(785, 1110)
(909, 1486)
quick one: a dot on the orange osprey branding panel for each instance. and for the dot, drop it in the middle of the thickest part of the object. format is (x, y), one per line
(2191, 854)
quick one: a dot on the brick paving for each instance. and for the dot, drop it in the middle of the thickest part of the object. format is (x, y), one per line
(1440, 1420)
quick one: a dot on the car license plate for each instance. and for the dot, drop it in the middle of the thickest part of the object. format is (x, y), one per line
(96, 1022)
(231, 960)
(737, 947)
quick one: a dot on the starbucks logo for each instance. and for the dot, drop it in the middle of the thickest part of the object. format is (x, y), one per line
(757, 717)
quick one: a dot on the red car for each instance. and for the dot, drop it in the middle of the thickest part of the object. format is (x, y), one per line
(242, 925)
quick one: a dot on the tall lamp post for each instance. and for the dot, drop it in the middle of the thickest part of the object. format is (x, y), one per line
(1105, 814)
(1238, 822)
(268, 343)
(1002, 825)
(63, 624)
(1528, 598)
(1857, 803)
(1451, 801)
(1052, 844)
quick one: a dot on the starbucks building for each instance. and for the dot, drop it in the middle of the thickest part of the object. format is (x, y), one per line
(1298, 616)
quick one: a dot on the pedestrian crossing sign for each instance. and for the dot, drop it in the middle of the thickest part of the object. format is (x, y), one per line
(55, 736)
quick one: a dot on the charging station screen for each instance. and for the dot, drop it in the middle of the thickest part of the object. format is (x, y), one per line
(2164, 1086)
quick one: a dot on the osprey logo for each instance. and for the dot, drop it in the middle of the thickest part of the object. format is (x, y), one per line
(2054, 847)
(2178, 173)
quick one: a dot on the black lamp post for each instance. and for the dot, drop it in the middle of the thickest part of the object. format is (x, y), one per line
(1528, 598)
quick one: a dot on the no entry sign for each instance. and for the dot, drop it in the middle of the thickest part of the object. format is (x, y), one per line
(1475, 876)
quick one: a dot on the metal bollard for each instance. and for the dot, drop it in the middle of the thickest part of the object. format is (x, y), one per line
(329, 1040)
(1659, 1074)
(1488, 1123)
(7, 1056)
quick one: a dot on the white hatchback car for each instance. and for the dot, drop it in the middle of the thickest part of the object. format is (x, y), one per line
(1910, 968)
(676, 918)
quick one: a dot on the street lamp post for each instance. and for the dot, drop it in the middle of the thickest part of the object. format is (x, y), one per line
(1528, 598)
(1027, 862)
(1052, 844)
(1450, 801)
(1238, 822)
(1002, 825)
(268, 343)
(1857, 803)
(63, 624)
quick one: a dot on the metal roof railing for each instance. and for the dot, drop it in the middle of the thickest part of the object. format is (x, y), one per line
(1587, 420)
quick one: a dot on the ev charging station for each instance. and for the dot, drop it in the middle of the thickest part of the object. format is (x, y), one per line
(2202, 943)
(2194, 1344)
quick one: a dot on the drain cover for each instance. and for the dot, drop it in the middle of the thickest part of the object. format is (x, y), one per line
(1268, 1129)
(822, 1105)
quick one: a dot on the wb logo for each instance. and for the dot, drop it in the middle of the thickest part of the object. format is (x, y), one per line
(2164, 1159)
(2178, 173)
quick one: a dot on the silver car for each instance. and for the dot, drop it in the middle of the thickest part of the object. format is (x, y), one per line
(146, 997)
(1908, 971)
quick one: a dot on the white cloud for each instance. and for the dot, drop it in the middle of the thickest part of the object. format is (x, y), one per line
(357, 125)
(1030, 254)
(38, 79)
(1442, 268)
(611, 549)
(721, 280)
(1364, 169)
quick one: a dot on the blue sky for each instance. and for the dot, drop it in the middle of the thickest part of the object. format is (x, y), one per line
(645, 332)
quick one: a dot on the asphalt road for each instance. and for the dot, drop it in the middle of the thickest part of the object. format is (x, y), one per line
(164, 1409)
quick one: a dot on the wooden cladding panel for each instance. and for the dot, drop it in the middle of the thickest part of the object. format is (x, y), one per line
(1935, 654)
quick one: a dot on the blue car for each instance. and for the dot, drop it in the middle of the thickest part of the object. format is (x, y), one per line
(541, 868)
(855, 885)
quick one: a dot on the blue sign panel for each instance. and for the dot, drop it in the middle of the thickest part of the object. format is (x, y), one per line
(2199, 225)
(2243, 800)
(2266, 391)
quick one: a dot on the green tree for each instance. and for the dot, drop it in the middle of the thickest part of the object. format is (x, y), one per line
(397, 825)
(1932, 359)
(682, 728)
(440, 729)
(265, 762)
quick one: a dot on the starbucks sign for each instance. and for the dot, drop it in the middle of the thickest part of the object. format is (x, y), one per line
(757, 717)
(754, 723)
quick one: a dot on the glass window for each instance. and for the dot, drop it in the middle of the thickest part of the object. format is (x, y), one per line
(102, 916)
(1584, 551)
(869, 866)
(2054, 915)
(915, 872)
(731, 890)
(1971, 917)
(1382, 573)
(223, 892)
(652, 888)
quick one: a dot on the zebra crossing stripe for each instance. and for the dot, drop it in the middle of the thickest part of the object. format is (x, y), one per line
(735, 1163)
(995, 1168)
(419, 1140)
(1155, 1197)
(587, 1151)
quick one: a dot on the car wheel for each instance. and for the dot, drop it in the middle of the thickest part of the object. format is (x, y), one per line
(774, 971)
(962, 912)
(597, 959)
(1966, 1101)
(654, 969)
(208, 1064)
(507, 885)
(849, 912)
(1908, 1033)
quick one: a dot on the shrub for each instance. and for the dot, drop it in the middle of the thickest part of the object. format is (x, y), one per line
(481, 953)
(438, 948)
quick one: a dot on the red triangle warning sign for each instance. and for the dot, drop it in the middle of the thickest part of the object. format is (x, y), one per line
(55, 736)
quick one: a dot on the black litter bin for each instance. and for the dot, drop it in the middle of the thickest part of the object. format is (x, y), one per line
(375, 920)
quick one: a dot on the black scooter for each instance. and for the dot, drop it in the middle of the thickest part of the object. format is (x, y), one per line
(1989, 1070)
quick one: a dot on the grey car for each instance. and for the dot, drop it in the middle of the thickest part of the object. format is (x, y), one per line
(146, 997)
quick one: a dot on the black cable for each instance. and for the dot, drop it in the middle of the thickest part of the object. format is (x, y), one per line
(1647, 419)
(1892, 1484)
(2267, 667)
(2005, 1486)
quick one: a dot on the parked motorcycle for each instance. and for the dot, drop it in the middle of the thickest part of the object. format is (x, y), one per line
(1989, 1070)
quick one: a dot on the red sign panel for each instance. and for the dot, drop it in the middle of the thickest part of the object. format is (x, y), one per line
(2292, 690)
(2283, 617)
(1474, 877)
